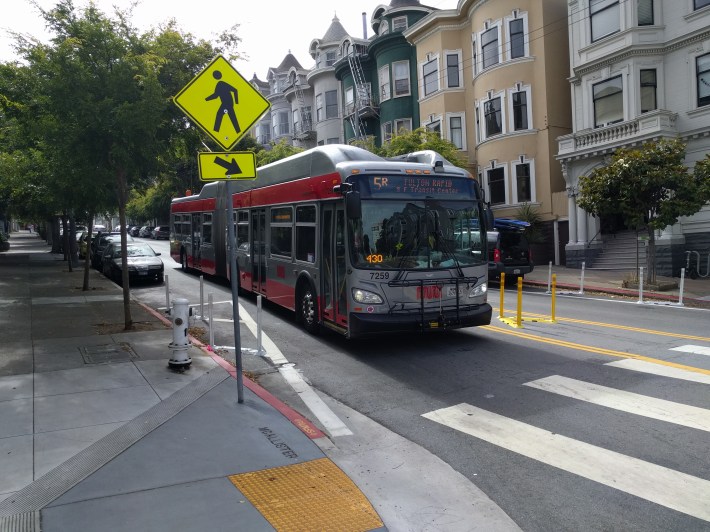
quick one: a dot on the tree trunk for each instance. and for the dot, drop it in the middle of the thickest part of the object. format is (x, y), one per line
(651, 255)
(87, 255)
(122, 193)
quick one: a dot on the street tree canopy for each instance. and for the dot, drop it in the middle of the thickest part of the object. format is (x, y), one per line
(650, 187)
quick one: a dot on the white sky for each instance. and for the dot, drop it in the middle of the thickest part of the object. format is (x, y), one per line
(269, 29)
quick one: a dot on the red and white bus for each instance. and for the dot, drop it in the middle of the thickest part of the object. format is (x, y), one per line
(348, 240)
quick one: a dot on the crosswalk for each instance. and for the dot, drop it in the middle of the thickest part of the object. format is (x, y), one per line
(661, 485)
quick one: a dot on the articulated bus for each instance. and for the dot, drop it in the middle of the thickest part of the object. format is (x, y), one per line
(348, 240)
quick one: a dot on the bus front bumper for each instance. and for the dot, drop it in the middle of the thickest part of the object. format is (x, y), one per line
(362, 324)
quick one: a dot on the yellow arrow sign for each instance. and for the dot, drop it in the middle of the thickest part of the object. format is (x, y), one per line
(227, 165)
(221, 102)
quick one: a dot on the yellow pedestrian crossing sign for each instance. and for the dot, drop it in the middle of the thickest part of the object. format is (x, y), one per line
(221, 102)
(227, 165)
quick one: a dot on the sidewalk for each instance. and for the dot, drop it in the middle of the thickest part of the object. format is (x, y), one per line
(96, 433)
(696, 292)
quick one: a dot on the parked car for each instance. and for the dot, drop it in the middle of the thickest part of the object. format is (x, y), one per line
(145, 231)
(134, 230)
(509, 250)
(160, 232)
(143, 262)
(99, 244)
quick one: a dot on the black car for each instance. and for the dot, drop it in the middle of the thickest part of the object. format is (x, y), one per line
(143, 262)
(160, 232)
(509, 250)
(99, 243)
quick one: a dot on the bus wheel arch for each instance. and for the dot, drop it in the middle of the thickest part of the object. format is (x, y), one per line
(307, 305)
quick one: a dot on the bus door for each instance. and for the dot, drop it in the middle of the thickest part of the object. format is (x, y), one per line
(258, 251)
(333, 286)
(195, 241)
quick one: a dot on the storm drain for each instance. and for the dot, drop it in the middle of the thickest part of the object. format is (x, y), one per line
(108, 354)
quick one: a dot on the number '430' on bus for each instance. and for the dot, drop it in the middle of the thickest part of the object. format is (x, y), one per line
(348, 240)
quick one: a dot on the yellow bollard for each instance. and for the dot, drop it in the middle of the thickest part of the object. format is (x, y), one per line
(502, 293)
(519, 318)
(554, 292)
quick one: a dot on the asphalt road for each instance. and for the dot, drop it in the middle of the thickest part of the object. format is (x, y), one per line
(598, 421)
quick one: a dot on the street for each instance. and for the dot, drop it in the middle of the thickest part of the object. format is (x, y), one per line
(598, 421)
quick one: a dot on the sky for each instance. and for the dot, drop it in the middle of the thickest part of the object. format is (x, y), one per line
(269, 29)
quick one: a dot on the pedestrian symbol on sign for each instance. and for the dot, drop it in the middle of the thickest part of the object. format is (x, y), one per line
(224, 92)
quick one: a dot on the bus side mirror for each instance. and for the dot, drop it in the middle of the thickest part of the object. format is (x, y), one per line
(490, 220)
(353, 205)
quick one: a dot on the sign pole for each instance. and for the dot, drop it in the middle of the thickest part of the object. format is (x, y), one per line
(235, 292)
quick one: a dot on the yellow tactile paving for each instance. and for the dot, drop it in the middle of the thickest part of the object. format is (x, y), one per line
(314, 495)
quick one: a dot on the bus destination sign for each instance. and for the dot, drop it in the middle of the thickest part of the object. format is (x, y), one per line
(416, 186)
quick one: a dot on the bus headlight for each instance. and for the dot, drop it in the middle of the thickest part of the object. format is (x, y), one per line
(478, 290)
(365, 297)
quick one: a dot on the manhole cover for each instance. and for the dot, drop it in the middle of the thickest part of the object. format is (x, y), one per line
(108, 354)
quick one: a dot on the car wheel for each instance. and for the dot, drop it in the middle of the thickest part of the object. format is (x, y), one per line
(308, 309)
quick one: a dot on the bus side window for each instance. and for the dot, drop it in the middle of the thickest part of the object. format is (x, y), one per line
(306, 233)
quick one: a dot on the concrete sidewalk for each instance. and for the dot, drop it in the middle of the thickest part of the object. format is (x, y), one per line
(96, 433)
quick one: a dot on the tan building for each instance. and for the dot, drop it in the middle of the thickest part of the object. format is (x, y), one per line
(493, 79)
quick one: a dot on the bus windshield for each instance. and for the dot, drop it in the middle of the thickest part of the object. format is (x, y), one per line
(419, 234)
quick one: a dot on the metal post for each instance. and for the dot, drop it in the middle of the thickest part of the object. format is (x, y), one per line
(581, 280)
(682, 285)
(640, 285)
(259, 348)
(167, 294)
(502, 294)
(202, 298)
(519, 317)
(235, 292)
(209, 310)
(554, 295)
(549, 277)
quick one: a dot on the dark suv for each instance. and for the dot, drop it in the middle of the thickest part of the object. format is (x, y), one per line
(509, 250)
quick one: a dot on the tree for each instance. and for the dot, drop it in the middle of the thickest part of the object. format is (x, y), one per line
(649, 187)
(278, 151)
(421, 139)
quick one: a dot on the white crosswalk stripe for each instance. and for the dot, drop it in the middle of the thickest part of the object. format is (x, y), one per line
(661, 370)
(669, 488)
(693, 349)
(633, 403)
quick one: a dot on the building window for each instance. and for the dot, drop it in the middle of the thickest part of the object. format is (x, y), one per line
(399, 23)
(648, 90)
(319, 107)
(349, 100)
(520, 110)
(496, 185)
(333, 140)
(492, 116)
(306, 117)
(402, 124)
(523, 183)
(474, 56)
(697, 4)
(434, 125)
(703, 72)
(453, 69)
(489, 47)
(604, 16)
(280, 123)
(456, 131)
(384, 28)
(517, 38)
(401, 78)
(330, 58)
(430, 75)
(331, 104)
(296, 122)
(608, 102)
(386, 132)
(384, 76)
(645, 12)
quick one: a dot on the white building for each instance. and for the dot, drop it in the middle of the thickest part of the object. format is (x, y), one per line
(640, 71)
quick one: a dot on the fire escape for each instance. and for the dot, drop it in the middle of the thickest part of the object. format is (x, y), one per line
(305, 129)
(364, 106)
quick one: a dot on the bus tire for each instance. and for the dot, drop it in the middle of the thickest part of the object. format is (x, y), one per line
(308, 308)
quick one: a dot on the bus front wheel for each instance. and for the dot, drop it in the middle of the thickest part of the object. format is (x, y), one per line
(308, 309)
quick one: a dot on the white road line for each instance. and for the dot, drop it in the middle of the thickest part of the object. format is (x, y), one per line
(331, 423)
(658, 369)
(660, 485)
(693, 349)
(642, 405)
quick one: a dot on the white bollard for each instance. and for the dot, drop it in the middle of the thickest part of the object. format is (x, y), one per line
(581, 280)
(640, 301)
(259, 349)
(549, 278)
(682, 285)
(209, 307)
(202, 298)
(180, 314)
